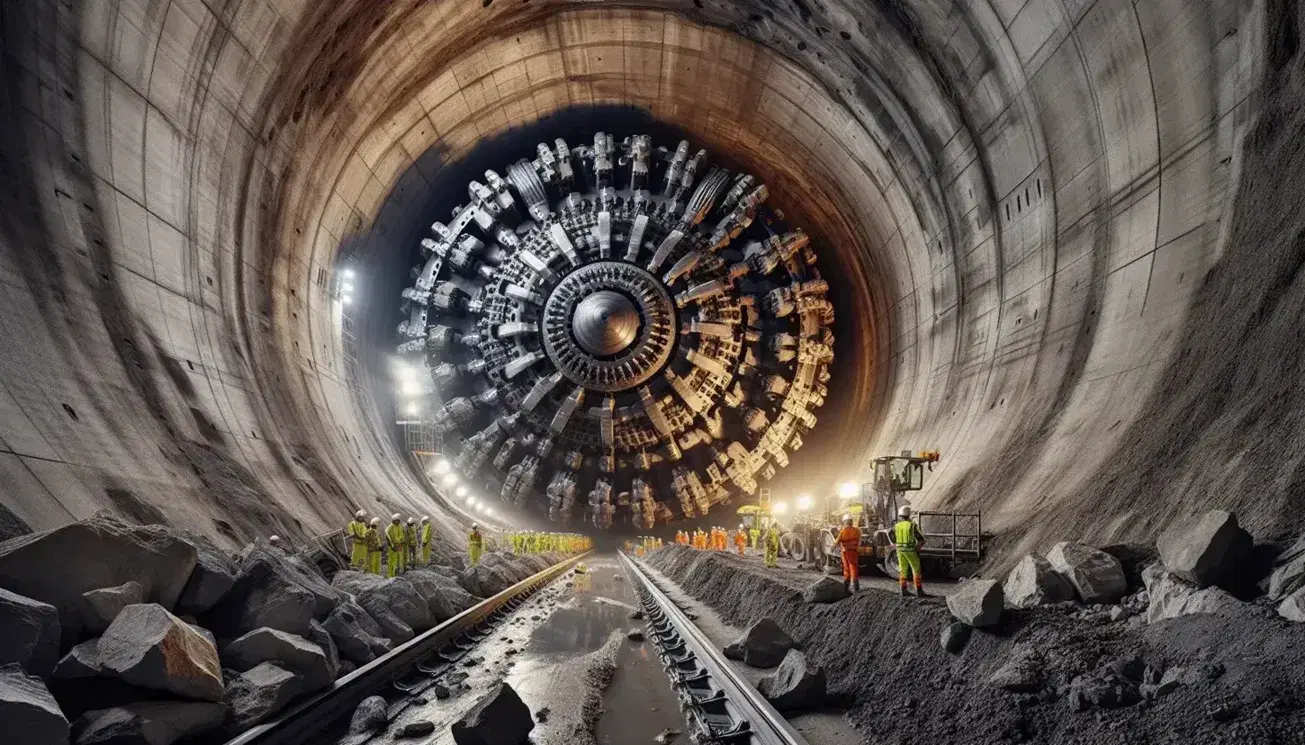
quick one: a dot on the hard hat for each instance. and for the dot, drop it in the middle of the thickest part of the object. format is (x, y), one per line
(394, 517)
(412, 521)
(274, 539)
(847, 518)
(904, 511)
(474, 526)
(360, 514)
(425, 518)
(376, 521)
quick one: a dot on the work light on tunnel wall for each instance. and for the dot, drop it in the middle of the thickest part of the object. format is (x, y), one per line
(449, 479)
(442, 466)
(779, 508)
(804, 503)
(460, 492)
(848, 490)
(615, 324)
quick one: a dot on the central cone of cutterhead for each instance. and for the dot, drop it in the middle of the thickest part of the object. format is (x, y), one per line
(605, 323)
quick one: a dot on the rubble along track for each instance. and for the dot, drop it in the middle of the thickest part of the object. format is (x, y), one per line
(430, 654)
(716, 699)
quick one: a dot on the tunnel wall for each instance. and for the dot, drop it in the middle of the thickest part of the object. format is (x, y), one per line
(1017, 202)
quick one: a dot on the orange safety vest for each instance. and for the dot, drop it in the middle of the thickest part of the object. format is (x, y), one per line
(849, 538)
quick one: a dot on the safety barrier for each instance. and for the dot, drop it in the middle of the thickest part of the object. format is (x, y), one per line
(308, 719)
(720, 702)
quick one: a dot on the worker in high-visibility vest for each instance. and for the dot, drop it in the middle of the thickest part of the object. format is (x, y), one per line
(849, 539)
(475, 544)
(908, 540)
(772, 546)
(741, 540)
(423, 539)
(355, 534)
(411, 535)
(372, 540)
(396, 546)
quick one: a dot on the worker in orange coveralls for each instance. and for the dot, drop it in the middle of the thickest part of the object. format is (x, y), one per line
(849, 538)
(741, 540)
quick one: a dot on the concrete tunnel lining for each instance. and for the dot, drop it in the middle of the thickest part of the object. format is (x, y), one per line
(225, 151)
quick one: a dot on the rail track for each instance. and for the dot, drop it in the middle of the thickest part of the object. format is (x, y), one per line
(408, 669)
(719, 702)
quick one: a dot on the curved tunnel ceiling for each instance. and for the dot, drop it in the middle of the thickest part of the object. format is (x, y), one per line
(1022, 206)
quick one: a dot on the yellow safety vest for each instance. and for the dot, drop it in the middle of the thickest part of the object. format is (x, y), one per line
(474, 539)
(396, 536)
(357, 529)
(904, 535)
(425, 534)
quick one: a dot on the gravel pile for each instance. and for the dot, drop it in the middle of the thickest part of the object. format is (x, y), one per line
(1062, 673)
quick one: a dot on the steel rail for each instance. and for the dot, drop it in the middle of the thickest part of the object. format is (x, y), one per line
(717, 698)
(302, 722)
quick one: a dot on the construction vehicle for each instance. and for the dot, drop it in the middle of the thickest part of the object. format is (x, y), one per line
(953, 541)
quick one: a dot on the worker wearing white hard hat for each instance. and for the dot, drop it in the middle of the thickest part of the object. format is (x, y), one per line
(372, 541)
(355, 538)
(424, 538)
(410, 556)
(849, 540)
(908, 540)
(396, 546)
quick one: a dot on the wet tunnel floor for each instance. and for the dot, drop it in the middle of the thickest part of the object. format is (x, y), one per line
(556, 651)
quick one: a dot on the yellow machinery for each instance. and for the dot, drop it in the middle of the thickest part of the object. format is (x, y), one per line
(953, 540)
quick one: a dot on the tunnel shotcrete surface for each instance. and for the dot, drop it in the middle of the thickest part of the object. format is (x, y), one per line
(1062, 239)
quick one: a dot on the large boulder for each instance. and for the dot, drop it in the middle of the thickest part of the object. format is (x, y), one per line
(100, 607)
(1208, 551)
(28, 713)
(296, 654)
(977, 603)
(317, 634)
(79, 683)
(356, 634)
(355, 582)
(148, 723)
(257, 694)
(444, 597)
(485, 581)
(1288, 573)
(1292, 607)
(83, 661)
(500, 718)
(149, 647)
(1171, 596)
(1097, 576)
(273, 590)
(396, 605)
(1033, 582)
(763, 645)
(58, 565)
(796, 685)
(213, 577)
(824, 590)
(29, 633)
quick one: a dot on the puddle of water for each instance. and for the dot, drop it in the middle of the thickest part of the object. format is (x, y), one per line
(578, 628)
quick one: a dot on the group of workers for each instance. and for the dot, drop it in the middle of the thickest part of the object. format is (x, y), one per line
(407, 546)
(531, 542)
(907, 540)
(643, 545)
(719, 539)
(403, 545)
